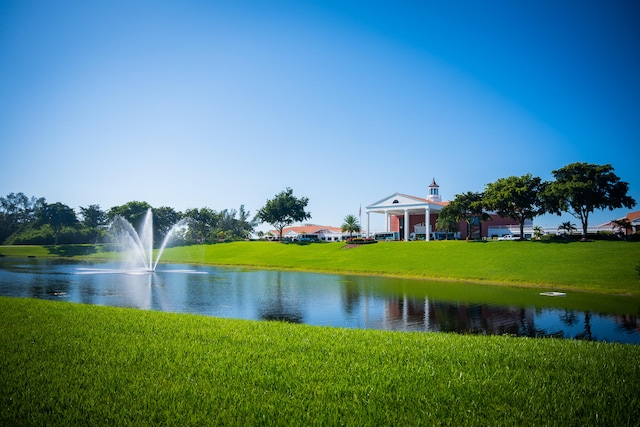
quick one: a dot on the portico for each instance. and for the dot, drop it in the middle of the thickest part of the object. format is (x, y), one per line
(407, 214)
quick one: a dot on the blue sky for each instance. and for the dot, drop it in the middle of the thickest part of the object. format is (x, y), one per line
(196, 103)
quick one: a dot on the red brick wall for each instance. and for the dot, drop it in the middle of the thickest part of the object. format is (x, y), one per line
(462, 227)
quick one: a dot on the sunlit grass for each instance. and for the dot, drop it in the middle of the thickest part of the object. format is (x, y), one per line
(596, 266)
(600, 266)
(70, 364)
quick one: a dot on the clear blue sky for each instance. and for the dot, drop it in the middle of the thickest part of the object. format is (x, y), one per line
(222, 103)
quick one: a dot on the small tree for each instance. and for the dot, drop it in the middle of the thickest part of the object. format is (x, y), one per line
(446, 223)
(580, 188)
(567, 227)
(621, 226)
(283, 210)
(537, 232)
(351, 225)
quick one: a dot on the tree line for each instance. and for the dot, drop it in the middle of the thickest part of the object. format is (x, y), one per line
(31, 220)
(577, 189)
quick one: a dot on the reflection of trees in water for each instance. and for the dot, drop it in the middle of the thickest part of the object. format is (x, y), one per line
(351, 297)
(280, 307)
(628, 323)
(586, 334)
(569, 317)
(480, 319)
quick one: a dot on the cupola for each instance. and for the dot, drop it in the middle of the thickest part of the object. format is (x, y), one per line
(434, 192)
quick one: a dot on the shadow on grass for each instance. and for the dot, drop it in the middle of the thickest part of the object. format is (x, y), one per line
(71, 250)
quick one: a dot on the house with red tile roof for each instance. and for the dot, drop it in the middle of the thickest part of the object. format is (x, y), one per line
(634, 224)
(322, 233)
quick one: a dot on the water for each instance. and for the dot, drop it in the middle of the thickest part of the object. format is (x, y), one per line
(327, 300)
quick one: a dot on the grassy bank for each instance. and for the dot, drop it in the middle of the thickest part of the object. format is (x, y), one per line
(599, 266)
(69, 364)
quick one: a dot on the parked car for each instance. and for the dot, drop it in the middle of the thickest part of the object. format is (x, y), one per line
(508, 237)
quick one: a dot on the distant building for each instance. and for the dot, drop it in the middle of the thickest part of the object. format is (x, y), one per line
(413, 217)
(320, 233)
(634, 222)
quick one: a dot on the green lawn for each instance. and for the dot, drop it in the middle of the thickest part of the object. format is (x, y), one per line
(598, 266)
(71, 364)
(601, 266)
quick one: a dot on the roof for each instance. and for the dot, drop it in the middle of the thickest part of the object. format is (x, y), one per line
(309, 229)
(400, 199)
(632, 217)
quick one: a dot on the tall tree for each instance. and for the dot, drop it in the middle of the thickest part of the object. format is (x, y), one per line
(164, 218)
(283, 210)
(205, 220)
(515, 197)
(467, 207)
(351, 225)
(93, 218)
(18, 211)
(581, 188)
(58, 216)
(133, 212)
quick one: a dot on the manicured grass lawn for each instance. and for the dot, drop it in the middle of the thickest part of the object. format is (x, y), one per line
(71, 364)
(601, 266)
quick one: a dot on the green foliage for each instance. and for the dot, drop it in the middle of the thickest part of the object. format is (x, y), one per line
(283, 210)
(133, 212)
(71, 364)
(581, 188)
(351, 225)
(467, 207)
(515, 197)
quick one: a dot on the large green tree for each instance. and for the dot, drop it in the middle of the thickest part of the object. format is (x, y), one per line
(581, 188)
(283, 210)
(133, 212)
(17, 211)
(515, 197)
(205, 221)
(93, 218)
(468, 207)
(58, 216)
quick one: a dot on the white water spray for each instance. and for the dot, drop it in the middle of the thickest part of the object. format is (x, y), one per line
(140, 245)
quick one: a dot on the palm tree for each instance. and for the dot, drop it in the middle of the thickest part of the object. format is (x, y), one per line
(537, 232)
(621, 226)
(351, 225)
(567, 227)
(447, 224)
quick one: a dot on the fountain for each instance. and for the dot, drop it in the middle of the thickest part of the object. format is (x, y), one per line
(139, 246)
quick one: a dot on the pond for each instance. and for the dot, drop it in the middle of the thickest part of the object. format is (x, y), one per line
(328, 299)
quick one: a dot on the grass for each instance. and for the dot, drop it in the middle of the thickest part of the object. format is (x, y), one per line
(71, 364)
(598, 266)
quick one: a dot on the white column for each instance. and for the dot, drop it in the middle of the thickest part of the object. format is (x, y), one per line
(426, 314)
(406, 225)
(386, 221)
(427, 223)
(368, 224)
